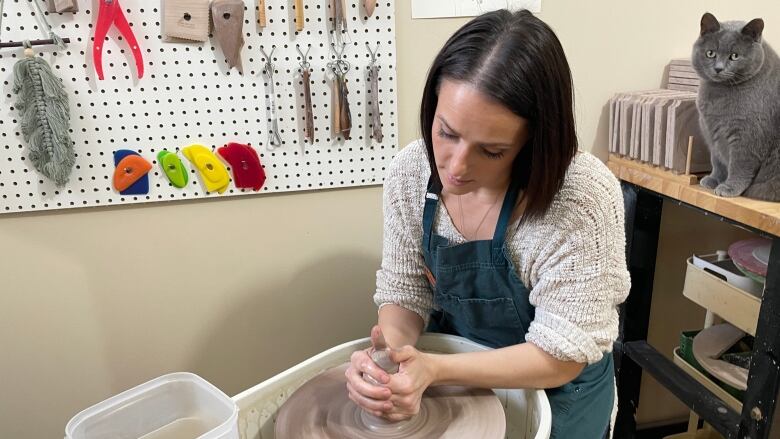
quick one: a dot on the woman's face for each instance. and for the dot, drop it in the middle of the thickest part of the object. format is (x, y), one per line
(475, 139)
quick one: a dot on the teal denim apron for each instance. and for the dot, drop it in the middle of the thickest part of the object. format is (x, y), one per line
(481, 297)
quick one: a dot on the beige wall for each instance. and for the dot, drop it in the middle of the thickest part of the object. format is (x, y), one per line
(97, 300)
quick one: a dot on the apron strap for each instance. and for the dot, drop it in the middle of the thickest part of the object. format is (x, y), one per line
(506, 214)
(432, 201)
(429, 214)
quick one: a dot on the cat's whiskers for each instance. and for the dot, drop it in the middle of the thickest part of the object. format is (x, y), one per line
(735, 78)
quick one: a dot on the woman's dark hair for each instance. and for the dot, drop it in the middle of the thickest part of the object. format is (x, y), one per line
(516, 60)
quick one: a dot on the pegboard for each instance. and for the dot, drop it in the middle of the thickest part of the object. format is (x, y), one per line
(189, 95)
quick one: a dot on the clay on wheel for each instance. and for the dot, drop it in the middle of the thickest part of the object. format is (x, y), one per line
(321, 409)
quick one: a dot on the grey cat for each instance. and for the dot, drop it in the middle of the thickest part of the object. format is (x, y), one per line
(739, 108)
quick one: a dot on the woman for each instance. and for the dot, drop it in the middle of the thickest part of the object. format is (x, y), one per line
(497, 229)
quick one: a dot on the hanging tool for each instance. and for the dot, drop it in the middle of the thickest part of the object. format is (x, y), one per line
(247, 170)
(339, 8)
(261, 20)
(45, 42)
(373, 95)
(53, 37)
(306, 74)
(131, 173)
(212, 172)
(342, 117)
(298, 15)
(228, 18)
(186, 19)
(274, 140)
(369, 6)
(173, 167)
(61, 6)
(111, 12)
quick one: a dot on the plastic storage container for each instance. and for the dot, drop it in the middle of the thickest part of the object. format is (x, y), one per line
(173, 406)
(728, 394)
(528, 413)
(724, 269)
(732, 304)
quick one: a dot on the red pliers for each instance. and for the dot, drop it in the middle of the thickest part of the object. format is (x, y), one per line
(110, 12)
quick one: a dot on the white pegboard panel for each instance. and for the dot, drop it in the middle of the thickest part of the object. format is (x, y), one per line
(188, 95)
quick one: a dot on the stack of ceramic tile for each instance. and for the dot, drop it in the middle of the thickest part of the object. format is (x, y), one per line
(656, 127)
(682, 76)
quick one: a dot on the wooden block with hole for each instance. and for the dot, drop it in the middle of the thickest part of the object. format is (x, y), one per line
(186, 20)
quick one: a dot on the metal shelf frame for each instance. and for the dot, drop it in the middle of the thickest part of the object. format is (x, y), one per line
(635, 354)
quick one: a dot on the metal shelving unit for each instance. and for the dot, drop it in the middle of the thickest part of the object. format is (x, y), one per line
(635, 354)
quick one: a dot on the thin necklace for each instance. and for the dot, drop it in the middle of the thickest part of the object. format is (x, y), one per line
(463, 224)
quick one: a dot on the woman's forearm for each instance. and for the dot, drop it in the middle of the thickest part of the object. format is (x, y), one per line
(519, 366)
(400, 326)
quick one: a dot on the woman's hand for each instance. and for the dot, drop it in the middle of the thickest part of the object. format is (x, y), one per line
(416, 372)
(375, 398)
(397, 396)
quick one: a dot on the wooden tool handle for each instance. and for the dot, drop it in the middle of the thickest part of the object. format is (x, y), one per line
(343, 14)
(299, 15)
(337, 12)
(261, 21)
(309, 127)
(345, 114)
(370, 5)
(336, 106)
(376, 120)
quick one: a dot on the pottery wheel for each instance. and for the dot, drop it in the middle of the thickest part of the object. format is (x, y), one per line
(321, 409)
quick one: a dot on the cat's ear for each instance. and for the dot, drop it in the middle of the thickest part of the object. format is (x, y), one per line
(754, 29)
(709, 24)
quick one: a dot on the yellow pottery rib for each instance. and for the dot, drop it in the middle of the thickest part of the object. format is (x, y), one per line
(212, 171)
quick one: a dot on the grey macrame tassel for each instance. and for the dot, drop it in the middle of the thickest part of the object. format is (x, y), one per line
(44, 118)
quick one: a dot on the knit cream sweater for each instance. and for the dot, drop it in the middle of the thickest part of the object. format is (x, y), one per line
(572, 259)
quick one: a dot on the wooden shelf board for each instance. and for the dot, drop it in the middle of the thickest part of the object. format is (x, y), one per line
(761, 215)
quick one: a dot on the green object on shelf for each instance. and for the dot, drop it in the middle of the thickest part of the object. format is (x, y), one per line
(686, 349)
(686, 353)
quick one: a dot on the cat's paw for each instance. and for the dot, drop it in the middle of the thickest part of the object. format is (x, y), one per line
(709, 182)
(726, 190)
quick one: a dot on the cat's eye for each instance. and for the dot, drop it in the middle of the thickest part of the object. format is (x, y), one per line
(710, 54)
(734, 56)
